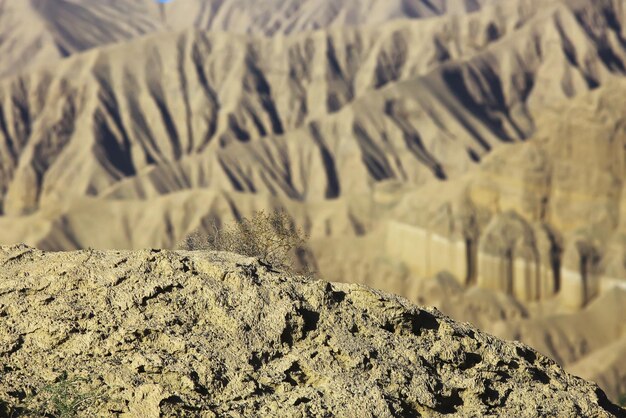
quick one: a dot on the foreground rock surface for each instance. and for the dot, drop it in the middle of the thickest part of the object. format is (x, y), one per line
(158, 333)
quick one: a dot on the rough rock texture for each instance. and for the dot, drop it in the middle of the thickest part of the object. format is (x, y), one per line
(214, 334)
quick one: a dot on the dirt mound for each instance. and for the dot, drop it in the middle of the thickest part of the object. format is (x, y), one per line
(215, 334)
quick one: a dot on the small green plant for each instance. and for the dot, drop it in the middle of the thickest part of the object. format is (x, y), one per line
(622, 400)
(64, 399)
(272, 237)
(60, 399)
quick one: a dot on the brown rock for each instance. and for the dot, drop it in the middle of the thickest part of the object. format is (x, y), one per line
(158, 333)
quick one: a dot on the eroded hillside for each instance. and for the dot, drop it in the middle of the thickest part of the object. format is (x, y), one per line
(271, 115)
(35, 32)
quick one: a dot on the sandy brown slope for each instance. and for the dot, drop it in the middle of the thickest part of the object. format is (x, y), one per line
(37, 31)
(155, 333)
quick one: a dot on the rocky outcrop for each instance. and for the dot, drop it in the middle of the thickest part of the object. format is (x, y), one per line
(158, 333)
(512, 256)
(537, 219)
(508, 256)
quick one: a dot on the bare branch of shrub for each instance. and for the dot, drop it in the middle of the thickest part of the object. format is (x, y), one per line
(272, 237)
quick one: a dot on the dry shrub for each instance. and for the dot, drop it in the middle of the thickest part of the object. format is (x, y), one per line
(271, 237)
